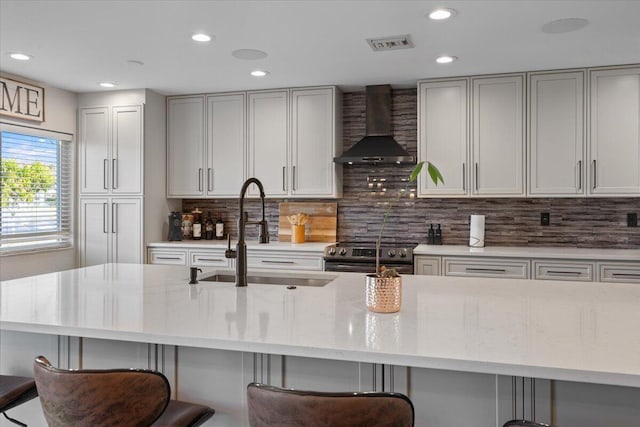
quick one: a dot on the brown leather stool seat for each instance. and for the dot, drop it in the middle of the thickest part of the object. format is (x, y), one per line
(131, 397)
(274, 406)
(15, 391)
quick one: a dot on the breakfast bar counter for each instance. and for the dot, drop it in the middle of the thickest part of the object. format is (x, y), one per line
(579, 332)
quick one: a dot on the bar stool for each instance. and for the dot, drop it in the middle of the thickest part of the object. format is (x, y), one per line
(131, 397)
(523, 422)
(15, 391)
(271, 406)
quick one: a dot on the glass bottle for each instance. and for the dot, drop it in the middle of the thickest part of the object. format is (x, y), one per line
(208, 227)
(219, 227)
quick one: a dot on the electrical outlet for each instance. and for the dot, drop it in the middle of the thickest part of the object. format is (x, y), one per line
(632, 219)
(544, 218)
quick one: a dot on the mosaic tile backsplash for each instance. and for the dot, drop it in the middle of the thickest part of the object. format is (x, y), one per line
(577, 222)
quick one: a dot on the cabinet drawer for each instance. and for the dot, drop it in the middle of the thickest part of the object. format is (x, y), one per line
(426, 265)
(554, 270)
(169, 257)
(496, 267)
(619, 272)
(209, 259)
(280, 261)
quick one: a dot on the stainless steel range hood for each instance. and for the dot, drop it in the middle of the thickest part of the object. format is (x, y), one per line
(378, 146)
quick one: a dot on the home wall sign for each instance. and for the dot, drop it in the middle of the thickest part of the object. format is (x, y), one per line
(21, 100)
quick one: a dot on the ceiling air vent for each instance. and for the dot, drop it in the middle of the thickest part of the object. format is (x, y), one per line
(391, 43)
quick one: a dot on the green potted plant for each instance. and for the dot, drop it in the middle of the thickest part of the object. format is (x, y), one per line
(384, 287)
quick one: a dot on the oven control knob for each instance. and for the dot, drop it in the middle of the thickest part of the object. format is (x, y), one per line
(343, 251)
(403, 253)
(332, 251)
(391, 253)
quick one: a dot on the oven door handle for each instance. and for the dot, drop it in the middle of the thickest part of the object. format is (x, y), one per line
(364, 268)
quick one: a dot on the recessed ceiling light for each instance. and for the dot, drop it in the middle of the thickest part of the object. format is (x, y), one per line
(107, 84)
(564, 25)
(249, 54)
(200, 37)
(440, 14)
(259, 73)
(20, 56)
(445, 59)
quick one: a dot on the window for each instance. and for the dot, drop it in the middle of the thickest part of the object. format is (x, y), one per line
(36, 189)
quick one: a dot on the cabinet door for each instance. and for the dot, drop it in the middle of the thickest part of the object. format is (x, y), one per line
(443, 136)
(126, 150)
(94, 236)
(95, 158)
(313, 144)
(226, 129)
(497, 136)
(615, 132)
(556, 136)
(185, 146)
(426, 265)
(126, 230)
(268, 141)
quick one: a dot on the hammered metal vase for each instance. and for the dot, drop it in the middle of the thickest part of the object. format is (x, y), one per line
(384, 294)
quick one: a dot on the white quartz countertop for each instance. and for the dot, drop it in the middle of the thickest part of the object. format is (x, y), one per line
(251, 245)
(531, 252)
(584, 332)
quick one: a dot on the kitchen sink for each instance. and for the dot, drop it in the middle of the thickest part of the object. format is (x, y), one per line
(268, 279)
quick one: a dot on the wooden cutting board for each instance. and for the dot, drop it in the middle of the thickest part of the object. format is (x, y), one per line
(322, 224)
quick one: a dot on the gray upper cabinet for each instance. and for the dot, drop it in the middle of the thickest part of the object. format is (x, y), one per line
(473, 131)
(226, 144)
(614, 132)
(556, 134)
(111, 150)
(443, 136)
(185, 146)
(269, 141)
(497, 136)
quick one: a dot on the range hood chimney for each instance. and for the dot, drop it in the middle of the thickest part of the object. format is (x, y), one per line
(378, 146)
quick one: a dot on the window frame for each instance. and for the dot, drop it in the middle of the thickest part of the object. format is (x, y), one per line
(69, 243)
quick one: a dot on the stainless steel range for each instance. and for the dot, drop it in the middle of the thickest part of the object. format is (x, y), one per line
(361, 257)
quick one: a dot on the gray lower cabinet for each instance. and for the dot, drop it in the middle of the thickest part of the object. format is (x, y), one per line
(578, 270)
(563, 270)
(485, 267)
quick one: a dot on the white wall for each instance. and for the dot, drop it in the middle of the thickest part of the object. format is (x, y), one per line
(60, 116)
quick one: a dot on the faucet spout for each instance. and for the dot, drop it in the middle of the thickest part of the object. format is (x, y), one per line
(241, 247)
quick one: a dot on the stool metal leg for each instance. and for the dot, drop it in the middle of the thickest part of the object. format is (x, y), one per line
(13, 421)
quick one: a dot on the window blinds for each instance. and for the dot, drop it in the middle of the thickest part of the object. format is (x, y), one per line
(36, 181)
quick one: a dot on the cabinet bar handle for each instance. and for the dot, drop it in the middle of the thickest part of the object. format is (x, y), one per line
(114, 173)
(595, 181)
(276, 262)
(210, 259)
(209, 178)
(105, 167)
(284, 177)
(199, 179)
(625, 275)
(476, 176)
(293, 178)
(568, 273)
(486, 270)
(104, 218)
(114, 222)
(168, 257)
(464, 178)
(579, 174)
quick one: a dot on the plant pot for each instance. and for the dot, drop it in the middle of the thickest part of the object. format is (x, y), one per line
(383, 294)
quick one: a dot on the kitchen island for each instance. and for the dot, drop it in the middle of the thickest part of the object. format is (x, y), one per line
(452, 348)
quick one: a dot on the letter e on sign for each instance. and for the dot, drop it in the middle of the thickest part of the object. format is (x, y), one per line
(21, 100)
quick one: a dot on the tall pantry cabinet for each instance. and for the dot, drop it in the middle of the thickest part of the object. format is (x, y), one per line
(121, 175)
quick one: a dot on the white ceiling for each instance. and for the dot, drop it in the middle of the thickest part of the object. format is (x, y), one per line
(76, 44)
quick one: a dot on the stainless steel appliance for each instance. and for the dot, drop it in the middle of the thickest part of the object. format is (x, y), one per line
(361, 257)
